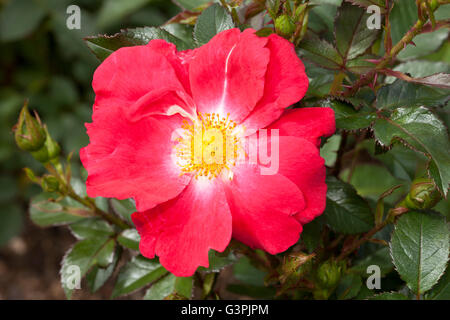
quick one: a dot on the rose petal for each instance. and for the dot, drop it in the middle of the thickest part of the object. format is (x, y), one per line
(227, 74)
(262, 207)
(182, 231)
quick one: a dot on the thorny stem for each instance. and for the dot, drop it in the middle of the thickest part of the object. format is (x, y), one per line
(367, 237)
(388, 57)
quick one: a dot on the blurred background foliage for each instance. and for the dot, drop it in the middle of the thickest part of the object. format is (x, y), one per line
(45, 62)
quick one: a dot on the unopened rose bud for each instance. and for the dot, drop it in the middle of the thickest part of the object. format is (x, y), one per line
(29, 133)
(294, 266)
(52, 146)
(50, 183)
(422, 195)
(293, 261)
(49, 150)
(284, 26)
(329, 273)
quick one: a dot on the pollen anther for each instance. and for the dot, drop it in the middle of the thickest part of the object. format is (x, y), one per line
(207, 146)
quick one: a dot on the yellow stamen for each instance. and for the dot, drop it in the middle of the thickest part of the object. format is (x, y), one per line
(208, 146)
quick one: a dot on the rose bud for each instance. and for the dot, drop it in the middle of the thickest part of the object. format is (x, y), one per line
(422, 195)
(29, 133)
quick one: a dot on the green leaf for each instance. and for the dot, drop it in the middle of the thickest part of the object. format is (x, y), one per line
(347, 118)
(18, 18)
(348, 286)
(441, 291)
(422, 131)
(353, 37)
(380, 257)
(402, 17)
(389, 296)
(329, 150)
(361, 65)
(85, 254)
(102, 46)
(245, 272)
(48, 209)
(419, 249)
(311, 234)
(124, 208)
(136, 274)
(439, 80)
(106, 255)
(420, 68)
(403, 94)
(346, 212)
(218, 262)
(320, 52)
(129, 238)
(424, 44)
(91, 228)
(170, 284)
(191, 4)
(97, 277)
(212, 21)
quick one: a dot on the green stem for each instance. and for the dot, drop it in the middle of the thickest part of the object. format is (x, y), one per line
(88, 202)
(388, 57)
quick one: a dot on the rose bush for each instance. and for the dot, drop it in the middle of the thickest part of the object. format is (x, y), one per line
(347, 195)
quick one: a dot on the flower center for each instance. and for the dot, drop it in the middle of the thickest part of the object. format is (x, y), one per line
(208, 146)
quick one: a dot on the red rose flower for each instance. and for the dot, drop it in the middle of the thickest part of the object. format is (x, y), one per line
(235, 84)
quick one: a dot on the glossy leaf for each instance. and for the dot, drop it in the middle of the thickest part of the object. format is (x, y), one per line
(406, 94)
(420, 68)
(380, 257)
(348, 286)
(346, 212)
(91, 228)
(102, 46)
(170, 284)
(124, 208)
(136, 274)
(420, 249)
(129, 238)
(213, 20)
(329, 150)
(347, 117)
(353, 37)
(49, 209)
(441, 291)
(97, 276)
(320, 52)
(217, 262)
(421, 130)
(82, 257)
